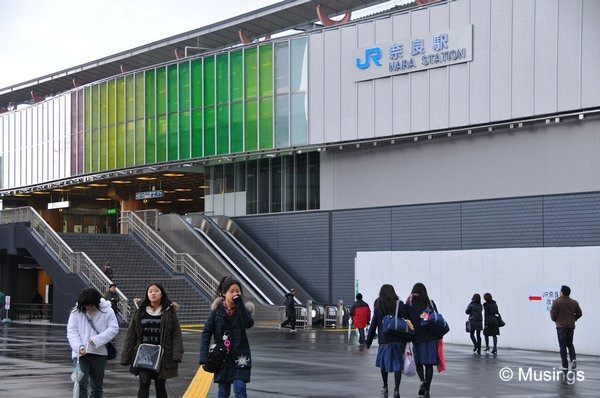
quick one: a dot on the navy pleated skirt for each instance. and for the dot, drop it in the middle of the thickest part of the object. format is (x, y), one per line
(390, 357)
(426, 353)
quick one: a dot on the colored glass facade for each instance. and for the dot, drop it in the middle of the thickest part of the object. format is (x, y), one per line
(243, 100)
(231, 102)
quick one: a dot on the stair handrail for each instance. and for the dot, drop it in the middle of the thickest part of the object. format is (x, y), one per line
(181, 263)
(74, 261)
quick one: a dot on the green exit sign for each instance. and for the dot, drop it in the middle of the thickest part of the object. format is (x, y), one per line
(111, 212)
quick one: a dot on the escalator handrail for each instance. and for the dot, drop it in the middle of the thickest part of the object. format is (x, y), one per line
(234, 265)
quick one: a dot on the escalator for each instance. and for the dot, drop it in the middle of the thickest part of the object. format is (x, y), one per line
(220, 252)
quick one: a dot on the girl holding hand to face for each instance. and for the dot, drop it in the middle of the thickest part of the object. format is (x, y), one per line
(230, 316)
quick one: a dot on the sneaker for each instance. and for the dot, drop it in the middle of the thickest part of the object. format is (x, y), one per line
(574, 364)
(384, 390)
(280, 327)
(293, 331)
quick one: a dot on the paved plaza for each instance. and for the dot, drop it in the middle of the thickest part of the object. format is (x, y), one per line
(34, 362)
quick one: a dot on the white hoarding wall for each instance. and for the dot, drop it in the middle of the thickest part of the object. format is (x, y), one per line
(523, 281)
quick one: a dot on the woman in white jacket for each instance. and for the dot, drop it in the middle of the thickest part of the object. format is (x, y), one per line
(89, 344)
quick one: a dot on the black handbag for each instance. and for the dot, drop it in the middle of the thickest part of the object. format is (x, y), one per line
(468, 326)
(217, 353)
(501, 322)
(148, 357)
(111, 350)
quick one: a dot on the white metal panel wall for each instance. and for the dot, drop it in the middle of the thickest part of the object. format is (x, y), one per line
(590, 58)
(510, 275)
(530, 57)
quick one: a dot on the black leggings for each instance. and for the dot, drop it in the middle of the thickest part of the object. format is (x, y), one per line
(426, 375)
(146, 380)
(397, 379)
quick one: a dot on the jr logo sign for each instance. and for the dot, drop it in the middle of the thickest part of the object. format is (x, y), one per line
(373, 53)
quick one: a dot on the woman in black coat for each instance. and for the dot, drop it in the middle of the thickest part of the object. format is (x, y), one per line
(491, 327)
(474, 310)
(390, 353)
(229, 313)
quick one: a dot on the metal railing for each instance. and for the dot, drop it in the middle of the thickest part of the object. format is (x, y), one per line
(74, 261)
(181, 263)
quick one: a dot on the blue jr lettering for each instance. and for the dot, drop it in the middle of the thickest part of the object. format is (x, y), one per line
(373, 53)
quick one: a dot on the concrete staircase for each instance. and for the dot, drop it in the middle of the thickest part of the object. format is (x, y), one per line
(135, 267)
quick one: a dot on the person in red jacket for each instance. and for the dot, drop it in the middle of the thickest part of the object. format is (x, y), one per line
(360, 313)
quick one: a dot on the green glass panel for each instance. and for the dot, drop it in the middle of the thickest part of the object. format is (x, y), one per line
(266, 70)
(197, 84)
(95, 149)
(209, 131)
(161, 139)
(222, 78)
(161, 91)
(95, 107)
(103, 104)
(236, 75)
(120, 145)
(112, 115)
(140, 149)
(209, 81)
(149, 90)
(173, 137)
(172, 84)
(250, 73)
(130, 144)
(197, 134)
(266, 123)
(237, 127)
(88, 130)
(112, 145)
(251, 125)
(140, 98)
(120, 100)
(223, 129)
(103, 148)
(150, 140)
(184, 86)
(184, 135)
(103, 152)
(129, 98)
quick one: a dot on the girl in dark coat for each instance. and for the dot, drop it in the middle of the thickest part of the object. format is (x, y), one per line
(490, 309)
(155, 322)
(229, 313)
(425, 343)
(390, 354)
(474, 310)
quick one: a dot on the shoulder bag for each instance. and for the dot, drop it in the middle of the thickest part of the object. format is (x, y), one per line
(148, 357)
(217, 353)
(434, 322)
(111, 350)
(394, 323)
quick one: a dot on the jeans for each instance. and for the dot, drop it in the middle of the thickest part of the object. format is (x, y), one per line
(565, 341)
(239, 389)
(92, 367)
(361, 335)
(145, 382)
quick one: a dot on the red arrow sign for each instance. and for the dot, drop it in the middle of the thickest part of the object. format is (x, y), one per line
(535, 298)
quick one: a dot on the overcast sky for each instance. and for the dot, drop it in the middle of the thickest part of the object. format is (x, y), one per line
(38, 37)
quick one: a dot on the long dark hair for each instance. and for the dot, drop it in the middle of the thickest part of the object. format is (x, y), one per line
(419, 291)
(88, 296)
(164, 299)
(226, 283)
(386, 302)
(476, 298)
(487, 297)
